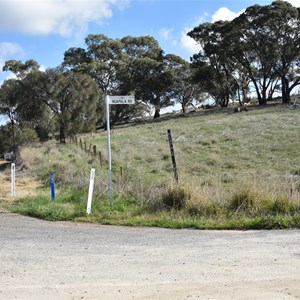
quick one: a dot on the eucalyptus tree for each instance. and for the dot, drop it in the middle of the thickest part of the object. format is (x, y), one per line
(283, 21)
(5, 139)
(261, 45)
(72, 98)
(19, 68)
(184, 89)
(138, 60)
(18, 102)
(144, 71)
(266, 47)
(32, 109)
(9, 105)
(132, 65)
(29, 108)
(213, 64)
(100, 60)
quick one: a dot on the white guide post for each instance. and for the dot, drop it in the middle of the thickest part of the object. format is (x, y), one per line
(91, 189)
(13, 179)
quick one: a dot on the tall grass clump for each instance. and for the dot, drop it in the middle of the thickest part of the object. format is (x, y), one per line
(263, 198)
(176, 197)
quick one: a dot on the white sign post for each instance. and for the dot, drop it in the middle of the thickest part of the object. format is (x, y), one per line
(113, 100)
(13, 179)
(90, 195)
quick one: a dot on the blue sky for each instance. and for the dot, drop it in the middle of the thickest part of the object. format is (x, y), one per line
(44, 29)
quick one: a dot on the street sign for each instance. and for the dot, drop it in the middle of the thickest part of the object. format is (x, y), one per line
(121, 100)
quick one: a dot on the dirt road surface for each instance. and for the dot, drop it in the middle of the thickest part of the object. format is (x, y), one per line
(45, 260)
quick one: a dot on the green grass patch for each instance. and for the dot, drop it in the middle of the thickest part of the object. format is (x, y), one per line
(236, 171)
(129, 212)
(64, 208)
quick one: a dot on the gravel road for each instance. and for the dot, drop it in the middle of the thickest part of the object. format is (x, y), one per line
(45, 260)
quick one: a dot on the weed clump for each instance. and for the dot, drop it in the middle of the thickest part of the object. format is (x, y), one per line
(176, 197)
(255, 202)
(244, 200)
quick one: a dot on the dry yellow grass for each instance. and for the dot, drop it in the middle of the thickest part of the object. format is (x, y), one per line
(25, 185)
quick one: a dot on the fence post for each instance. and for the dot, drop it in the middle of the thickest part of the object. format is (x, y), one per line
(100, 158)
(94, 150)
(172, 155)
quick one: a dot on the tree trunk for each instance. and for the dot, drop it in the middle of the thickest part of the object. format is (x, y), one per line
(286, 99)
(157, 112)
(13, 134)
(241, 101)
(62, 136)
(225, 101)
(262, 100)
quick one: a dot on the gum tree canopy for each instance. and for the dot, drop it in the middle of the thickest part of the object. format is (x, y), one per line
(261, 46)
(131, 66)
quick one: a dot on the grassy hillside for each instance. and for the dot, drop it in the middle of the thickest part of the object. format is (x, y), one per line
(236, 170)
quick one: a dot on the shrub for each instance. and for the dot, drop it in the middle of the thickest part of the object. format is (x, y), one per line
(262, 202)
(281, 205)
(247, 200)
(175, 197)
(27, 136)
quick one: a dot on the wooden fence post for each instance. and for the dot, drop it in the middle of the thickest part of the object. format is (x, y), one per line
(100, 158)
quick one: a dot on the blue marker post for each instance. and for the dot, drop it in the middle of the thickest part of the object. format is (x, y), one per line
(52, 185)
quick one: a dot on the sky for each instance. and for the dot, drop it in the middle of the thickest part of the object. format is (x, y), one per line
(44, 29)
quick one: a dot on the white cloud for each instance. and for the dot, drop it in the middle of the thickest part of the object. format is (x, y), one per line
(188, 43)
(63, 17)
(295, 3)
(42, 68)
(224, 14)
(7, 50)
(165, 33)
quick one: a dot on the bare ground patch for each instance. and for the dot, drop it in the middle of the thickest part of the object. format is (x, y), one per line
(26, 185)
